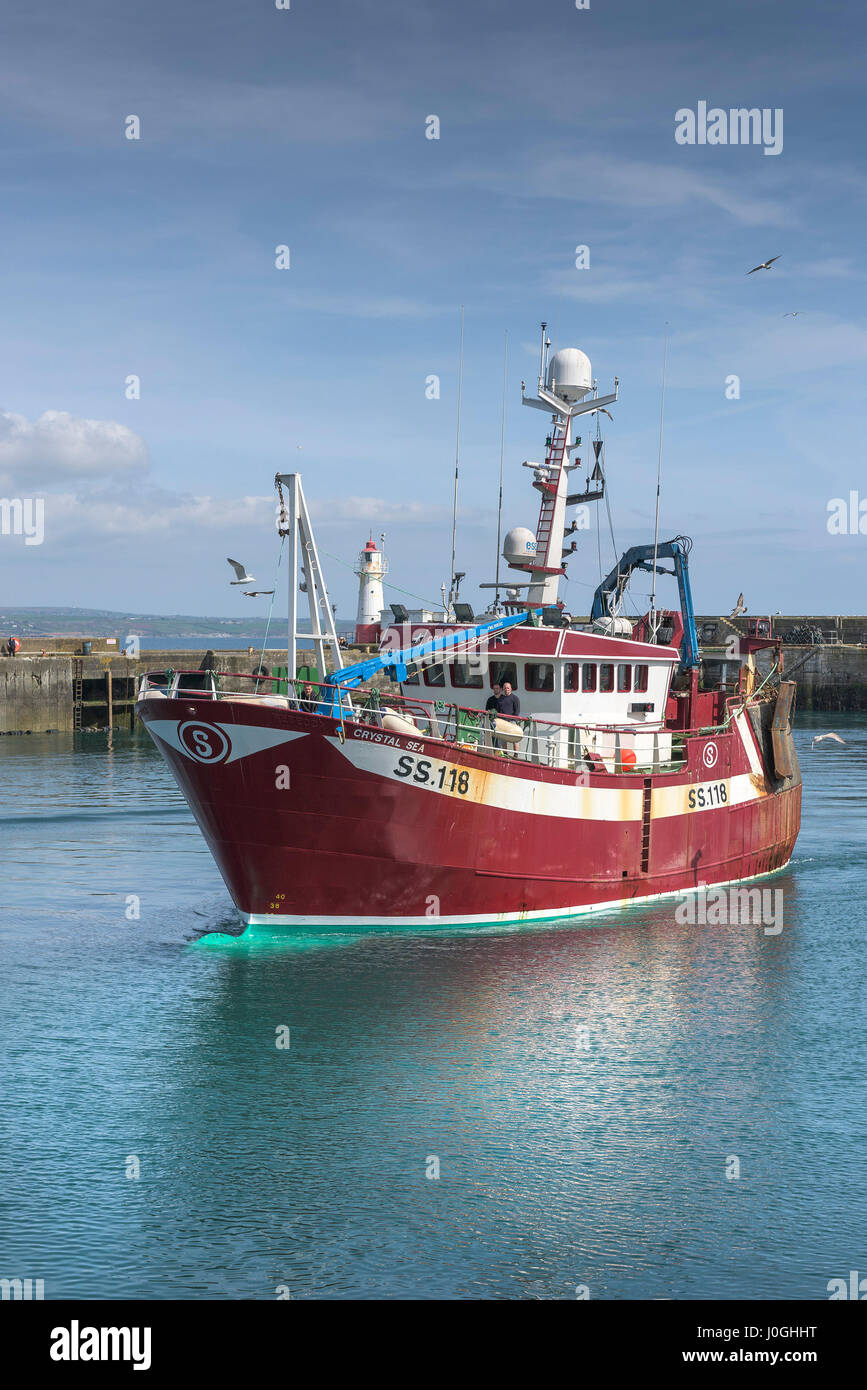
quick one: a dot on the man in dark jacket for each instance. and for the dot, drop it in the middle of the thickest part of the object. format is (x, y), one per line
(494, 698)
(508, 704)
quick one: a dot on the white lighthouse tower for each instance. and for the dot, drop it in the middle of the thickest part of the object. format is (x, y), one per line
(371, 567)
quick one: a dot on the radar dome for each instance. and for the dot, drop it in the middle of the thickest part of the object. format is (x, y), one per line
(519, 546)
(569, 374)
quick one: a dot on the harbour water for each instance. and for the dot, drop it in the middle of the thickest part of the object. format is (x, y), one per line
(581, 1090)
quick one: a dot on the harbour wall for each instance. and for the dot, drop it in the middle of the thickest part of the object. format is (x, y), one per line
(68, 689)
(831, 678)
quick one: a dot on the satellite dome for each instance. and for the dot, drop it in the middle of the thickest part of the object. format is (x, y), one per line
(569, 374)
(519, 546)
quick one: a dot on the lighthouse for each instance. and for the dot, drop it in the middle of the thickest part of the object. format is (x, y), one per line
(371, 567)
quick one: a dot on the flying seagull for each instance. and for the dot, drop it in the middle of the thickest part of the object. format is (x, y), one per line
(241, 571)
(792, 315)
(603, 411)
(738, 608)
(256, 593)
(765, 265)
(835, 738)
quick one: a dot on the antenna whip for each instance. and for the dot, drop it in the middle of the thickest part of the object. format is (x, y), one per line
(502, 449)
(658, 478)
(457, 462)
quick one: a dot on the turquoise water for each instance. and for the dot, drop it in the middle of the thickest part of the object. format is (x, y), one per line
(303, 1169)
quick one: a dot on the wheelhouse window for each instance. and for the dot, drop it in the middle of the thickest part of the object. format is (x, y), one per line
(539, 675)
(624, 678)
(466, 676)
(588, 676)
(435, 675)
(640, 678)
(503, 671)
(572, 676)
(606, 678)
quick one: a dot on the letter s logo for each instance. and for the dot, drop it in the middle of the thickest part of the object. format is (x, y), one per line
(204, 742)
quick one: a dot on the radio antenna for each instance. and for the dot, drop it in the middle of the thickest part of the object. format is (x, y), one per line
(502, 449)
(457, 465)
(658, 478)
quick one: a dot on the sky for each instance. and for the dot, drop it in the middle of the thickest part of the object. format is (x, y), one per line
(307, 127)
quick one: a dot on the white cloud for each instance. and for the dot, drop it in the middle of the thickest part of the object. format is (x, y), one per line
(155, 512)
(631, 183)
(374, 511)
(59, 447)
(625, 183)
(150, 512)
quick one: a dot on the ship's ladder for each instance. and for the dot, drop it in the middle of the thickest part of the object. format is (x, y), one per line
(77, 693)
(554, 461)
(646, 805)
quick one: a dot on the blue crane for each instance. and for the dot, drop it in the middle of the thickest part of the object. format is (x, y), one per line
(395, 664)
(641, 557)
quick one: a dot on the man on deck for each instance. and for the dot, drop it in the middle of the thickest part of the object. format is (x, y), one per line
(508, 704)
(494, 698)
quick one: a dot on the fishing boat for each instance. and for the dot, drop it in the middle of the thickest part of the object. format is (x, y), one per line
(388, 794)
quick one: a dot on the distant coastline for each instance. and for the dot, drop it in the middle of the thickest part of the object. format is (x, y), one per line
(155, 631)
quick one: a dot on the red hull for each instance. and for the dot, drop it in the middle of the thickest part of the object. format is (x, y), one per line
(383, 829)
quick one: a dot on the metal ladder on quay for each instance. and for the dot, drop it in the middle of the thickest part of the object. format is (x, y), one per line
(77, 692)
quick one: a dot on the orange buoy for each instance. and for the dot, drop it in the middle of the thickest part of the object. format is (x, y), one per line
(627, 757)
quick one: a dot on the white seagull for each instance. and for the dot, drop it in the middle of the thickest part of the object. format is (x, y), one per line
(738, 608)
(241, 571)
(256, 593)
(835, 738)
(765, 265)
(792, 314)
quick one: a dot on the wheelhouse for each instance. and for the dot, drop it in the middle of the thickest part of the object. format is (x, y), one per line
(573, 677)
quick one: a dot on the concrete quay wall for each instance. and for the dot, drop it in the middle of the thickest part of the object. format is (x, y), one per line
(67, 691)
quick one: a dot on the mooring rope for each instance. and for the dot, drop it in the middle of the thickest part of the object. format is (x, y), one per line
(270, 612)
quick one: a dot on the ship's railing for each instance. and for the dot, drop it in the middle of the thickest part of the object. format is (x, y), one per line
(529, 738)
(614, 748)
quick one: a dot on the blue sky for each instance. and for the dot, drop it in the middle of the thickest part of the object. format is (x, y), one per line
(306, 127)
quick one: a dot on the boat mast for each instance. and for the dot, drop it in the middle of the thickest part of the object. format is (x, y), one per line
(500, 498)
(452, 582)
(563, 400)
(658, 486)
(294, 521)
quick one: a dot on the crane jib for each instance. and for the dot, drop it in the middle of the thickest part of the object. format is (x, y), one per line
(396, 663)
(644, 557)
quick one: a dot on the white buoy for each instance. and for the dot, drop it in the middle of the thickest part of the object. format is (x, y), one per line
(399, 724)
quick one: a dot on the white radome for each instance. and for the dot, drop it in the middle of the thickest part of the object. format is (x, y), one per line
(569, 374)
(519, 546)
